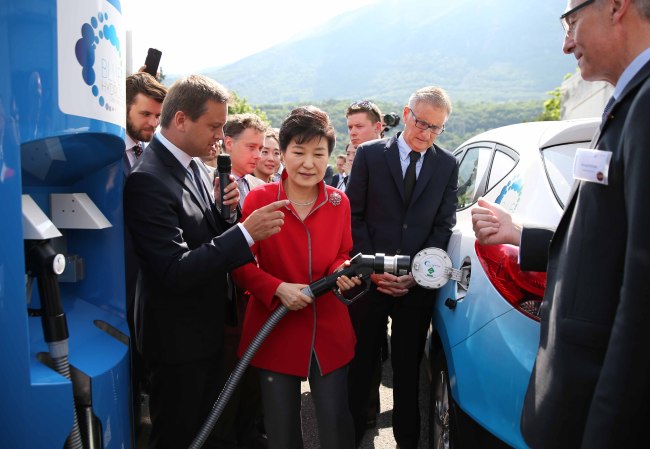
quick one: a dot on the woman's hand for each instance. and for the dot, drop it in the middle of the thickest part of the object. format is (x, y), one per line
(292, 297)
(345, 283)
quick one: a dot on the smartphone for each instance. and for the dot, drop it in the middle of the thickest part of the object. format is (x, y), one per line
(152, 61)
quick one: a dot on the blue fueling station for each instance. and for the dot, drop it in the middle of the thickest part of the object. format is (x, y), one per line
(64, 340)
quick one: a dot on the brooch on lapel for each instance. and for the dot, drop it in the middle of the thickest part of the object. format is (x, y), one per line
(335, 198)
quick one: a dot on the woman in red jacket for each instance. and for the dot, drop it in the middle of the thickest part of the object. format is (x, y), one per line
(315, 339)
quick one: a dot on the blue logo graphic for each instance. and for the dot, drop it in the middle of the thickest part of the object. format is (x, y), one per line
(430, 268)
(511, 194)
(91, 33)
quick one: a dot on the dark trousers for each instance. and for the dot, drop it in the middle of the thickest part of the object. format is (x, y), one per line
(240, 420)
(281, 403)
(180, 399)
(410, 321)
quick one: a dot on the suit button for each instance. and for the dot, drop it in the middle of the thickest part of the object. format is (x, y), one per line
(398, 251)
(405, 226)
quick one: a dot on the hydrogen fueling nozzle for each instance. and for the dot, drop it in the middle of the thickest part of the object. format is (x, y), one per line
(431, 269)
(361, 266)
(42, 262)
(46, 265)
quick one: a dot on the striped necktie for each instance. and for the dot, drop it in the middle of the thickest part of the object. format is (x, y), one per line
(198, 181)
(608, 108)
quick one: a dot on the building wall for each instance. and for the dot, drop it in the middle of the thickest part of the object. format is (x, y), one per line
(582, 99)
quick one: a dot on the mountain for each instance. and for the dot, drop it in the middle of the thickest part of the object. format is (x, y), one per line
(479, 50)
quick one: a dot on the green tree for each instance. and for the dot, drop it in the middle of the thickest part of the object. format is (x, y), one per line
(161, 76)
(241, 106)
(551, 106)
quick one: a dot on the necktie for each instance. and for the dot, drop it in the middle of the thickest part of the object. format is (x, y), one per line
(242, 184)
(198, 181)
(608, 108)
(137, 150)
(409, 177)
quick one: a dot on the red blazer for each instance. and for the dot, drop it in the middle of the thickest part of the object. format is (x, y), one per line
(302, 252)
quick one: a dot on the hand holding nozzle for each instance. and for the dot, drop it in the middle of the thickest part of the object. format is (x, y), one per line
(360, 267)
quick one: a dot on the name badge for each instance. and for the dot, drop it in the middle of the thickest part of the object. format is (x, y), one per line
(592, 165)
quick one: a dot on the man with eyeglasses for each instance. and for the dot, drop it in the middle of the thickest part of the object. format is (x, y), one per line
(589, 387)
(402, 194)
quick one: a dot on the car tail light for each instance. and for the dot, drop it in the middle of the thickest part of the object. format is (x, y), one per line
(523, 289)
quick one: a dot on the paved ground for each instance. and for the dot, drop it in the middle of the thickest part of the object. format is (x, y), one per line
(382, 436)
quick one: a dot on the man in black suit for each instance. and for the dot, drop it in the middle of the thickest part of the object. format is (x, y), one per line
(144, 98)
(402, 194)
(364, 121)
(185, 250)
(589, 387)
(340, 173)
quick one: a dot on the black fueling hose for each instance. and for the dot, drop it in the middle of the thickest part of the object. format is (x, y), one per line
(43, 262)
(360, 266)
(235, 376)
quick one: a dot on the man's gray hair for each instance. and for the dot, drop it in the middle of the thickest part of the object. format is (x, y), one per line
(435, 96)
(643, 6)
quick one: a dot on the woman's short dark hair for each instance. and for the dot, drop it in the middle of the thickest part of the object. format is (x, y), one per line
(304, 124)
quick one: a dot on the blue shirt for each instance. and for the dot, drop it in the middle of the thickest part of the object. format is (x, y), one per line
(631, 71)
(404, 151)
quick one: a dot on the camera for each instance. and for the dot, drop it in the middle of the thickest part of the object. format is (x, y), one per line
(391, 120)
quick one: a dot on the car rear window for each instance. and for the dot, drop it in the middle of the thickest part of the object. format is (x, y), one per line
(558, 162)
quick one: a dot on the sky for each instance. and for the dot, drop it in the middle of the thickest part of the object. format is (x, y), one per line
(196, 34)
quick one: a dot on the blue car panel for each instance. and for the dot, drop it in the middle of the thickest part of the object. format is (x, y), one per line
(490, 372)
(478, 307)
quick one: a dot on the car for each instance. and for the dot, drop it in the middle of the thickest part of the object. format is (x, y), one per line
(485, 328)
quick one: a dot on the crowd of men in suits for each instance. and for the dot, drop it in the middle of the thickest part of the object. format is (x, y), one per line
(588, 387)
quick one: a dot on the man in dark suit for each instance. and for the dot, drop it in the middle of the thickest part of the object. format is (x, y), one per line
(402, 194)
(364, 121)
(144, 98)
(185, 250)
(340, 173)
(589, 387)
(238, 425)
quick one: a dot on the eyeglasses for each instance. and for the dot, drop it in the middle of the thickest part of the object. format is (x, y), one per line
(565, 19)
(365, 106)
(424, 125)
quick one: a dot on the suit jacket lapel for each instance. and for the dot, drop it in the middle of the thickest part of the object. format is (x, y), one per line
(634, 82)
(426, 172)
(182, 176)
(394, 165)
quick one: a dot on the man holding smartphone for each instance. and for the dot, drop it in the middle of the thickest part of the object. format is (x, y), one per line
(144, 98)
